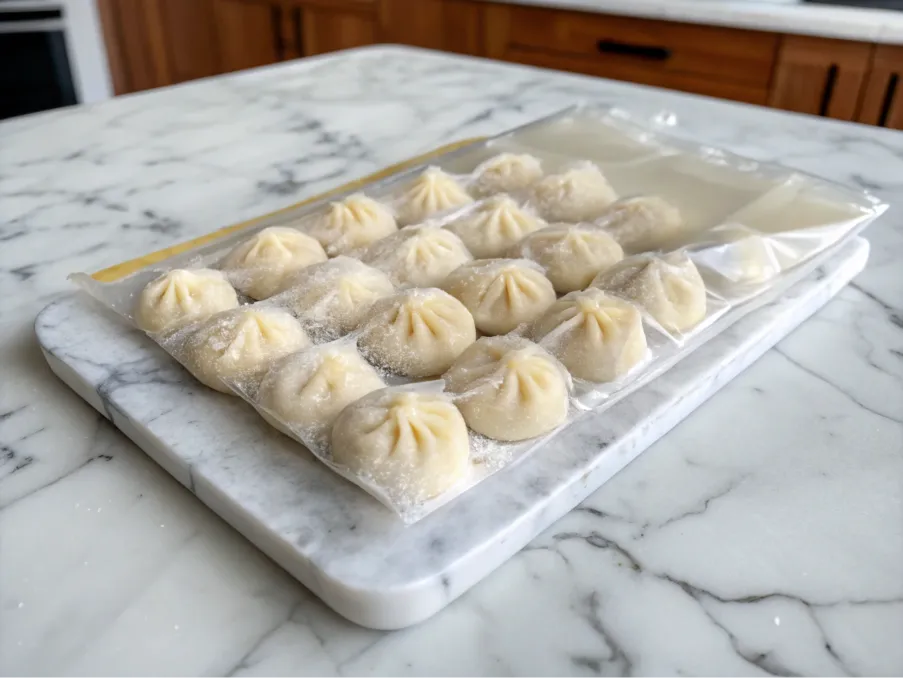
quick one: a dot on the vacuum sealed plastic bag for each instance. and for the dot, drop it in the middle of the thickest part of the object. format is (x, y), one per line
(419, 333)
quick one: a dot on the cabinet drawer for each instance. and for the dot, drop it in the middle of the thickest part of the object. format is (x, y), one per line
(685, 82)
(623, 46)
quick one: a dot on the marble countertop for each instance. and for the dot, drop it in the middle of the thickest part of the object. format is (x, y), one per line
(781, 16)
(762, 535)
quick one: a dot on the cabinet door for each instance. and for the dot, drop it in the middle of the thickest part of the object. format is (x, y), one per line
(820, 76)
(716, 61)
(249, 33)
(158, 42)
(448, 25)
(882, 102)
(322, 27)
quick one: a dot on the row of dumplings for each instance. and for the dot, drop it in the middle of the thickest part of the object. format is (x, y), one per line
(558, 211)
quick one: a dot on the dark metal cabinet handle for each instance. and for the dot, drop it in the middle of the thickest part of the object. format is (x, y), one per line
(639, 51)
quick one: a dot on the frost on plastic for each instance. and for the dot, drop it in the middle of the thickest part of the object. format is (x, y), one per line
(371, 358)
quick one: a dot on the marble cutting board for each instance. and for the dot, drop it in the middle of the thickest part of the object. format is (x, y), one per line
(340, 543)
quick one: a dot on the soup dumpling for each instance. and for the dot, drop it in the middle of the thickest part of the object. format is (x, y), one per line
(411, 445)
(571, 254)
(182, 296)
(506, 173)
(643, 223)
(509, 388)
(578, 194)
(262, 265)
(493, 226)
(501, 293)
(241, 343)
(668, 287)
(432, 192)
(418, 256)
(351, 224)
(417, 333)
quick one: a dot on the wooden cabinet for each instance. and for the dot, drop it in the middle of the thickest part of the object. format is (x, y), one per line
(734, 64)
(330, 26)
(248, 33)
(820, 76)
(151, 43)
(447, 25)
(882, 99)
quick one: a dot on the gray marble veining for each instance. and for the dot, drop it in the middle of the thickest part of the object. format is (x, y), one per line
(761, 535)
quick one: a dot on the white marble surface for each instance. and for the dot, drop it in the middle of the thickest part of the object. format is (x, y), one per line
(781, 16)
(761, 535)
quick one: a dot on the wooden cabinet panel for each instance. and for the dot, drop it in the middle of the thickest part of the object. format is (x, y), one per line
(131, 31)
(248, 33)
(448, 25)
(323, 29)
(152, 43)
(680, 81)
(820, 76)
(188, 36)
(622, 47)
(882, 100)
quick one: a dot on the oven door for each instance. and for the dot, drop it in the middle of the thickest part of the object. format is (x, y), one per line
(36, 74)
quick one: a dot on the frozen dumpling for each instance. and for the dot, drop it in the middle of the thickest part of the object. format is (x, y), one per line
(493, 226)
(241, 343)
(413, 446)
(506, 173)
(182, 296)
(418, 256)
(417, 333)
(432, 192)
(261, 265)
(508, 388)
(598, 337)
(307, 390)
(571, 254)
(336, 294)
(578, 194)
(501, 293)
(668, 287)
(641, 224)
(743, 256)
(351, 224)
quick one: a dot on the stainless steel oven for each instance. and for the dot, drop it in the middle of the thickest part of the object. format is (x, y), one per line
(36, 72)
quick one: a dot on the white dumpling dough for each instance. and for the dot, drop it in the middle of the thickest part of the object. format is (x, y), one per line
(417, 333)
(509, 388)
(432, 192)
(352, 223)
(182, 296)
(506, 173)
(501, 293)
(262, 264)
(337, 294)
(572, 255)
(418, 256)
(493, 226)
(578, 194)
(669, 287)
(411, 445)
(598, 337)
(743, 256)
(306, 391)
(241, 343)
(642, 223)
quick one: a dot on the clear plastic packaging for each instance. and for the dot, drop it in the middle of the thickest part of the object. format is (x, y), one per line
(376, 371)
